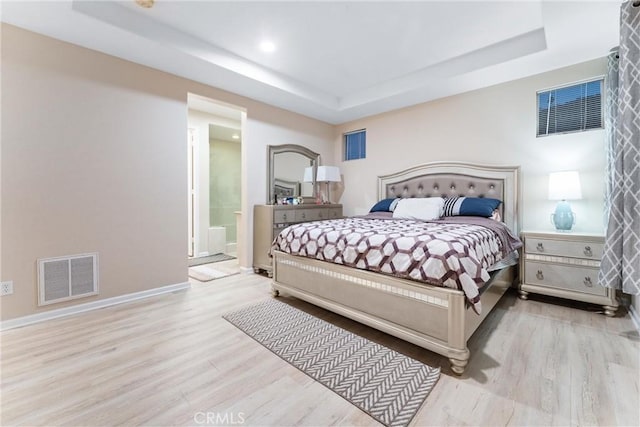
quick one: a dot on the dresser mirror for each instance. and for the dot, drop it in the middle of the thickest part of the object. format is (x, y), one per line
(286, 172)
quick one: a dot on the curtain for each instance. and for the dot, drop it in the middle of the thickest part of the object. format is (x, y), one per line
(620, 267)
(610, 116)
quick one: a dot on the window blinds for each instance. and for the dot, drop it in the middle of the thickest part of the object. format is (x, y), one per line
(355, 145)
(572, 108)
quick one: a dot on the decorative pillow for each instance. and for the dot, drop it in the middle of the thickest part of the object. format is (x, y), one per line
(386, 205)
(470, 206)
(423, 208)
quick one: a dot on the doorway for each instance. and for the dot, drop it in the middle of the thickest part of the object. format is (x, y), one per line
(214, 189)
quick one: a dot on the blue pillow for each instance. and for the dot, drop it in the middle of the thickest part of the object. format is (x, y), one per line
(386, 205)
(470, 206)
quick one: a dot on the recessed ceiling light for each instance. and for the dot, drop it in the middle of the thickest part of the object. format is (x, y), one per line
(267, 46)
(235, 136)
(145, 3)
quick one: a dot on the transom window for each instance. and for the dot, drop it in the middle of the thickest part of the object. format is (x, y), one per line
(355, 145)
(571, 108)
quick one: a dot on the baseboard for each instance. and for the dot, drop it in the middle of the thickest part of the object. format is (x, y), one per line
(246, 270)
(93, 305)
(635, 317)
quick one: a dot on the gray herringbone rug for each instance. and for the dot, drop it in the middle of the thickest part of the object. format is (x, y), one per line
(387, 385)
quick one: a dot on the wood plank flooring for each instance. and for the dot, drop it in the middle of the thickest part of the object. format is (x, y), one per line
(172, 360)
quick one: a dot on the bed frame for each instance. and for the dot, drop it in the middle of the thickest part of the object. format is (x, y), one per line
(431, 317)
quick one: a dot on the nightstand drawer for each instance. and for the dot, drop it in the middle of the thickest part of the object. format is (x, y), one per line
(574, 249)
(580, 279)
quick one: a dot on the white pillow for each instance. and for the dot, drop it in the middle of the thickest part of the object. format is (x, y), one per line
(424, 208)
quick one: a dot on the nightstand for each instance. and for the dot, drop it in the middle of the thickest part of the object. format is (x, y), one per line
(565, 265)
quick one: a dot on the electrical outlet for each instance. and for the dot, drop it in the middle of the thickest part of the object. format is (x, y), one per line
(6, 288)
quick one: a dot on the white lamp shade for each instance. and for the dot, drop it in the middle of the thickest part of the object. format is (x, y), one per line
(564, 186)
(328, 174)
(308, 174)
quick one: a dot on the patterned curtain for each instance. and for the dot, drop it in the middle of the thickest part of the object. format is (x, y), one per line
(610, 120)
(620, 266)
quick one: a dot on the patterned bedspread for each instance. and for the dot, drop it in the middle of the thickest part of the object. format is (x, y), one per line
(450, 254)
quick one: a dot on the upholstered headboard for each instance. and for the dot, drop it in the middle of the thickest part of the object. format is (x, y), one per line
(442, 179)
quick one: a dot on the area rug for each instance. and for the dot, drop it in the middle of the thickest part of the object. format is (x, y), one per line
(209, 259)
(204, 273)
(387, 385)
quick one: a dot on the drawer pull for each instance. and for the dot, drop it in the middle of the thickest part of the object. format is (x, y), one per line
(539, 275)
(321, 215)
(540, 248)
(587, 251)
(284, 216)
(587, 282)
(304, 215)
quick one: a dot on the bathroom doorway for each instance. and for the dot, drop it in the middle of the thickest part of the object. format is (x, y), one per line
(214, 138)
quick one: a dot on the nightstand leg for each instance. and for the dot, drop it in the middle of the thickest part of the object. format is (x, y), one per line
(523, 294)
(458, 366)
(275, 292)
(609, 310)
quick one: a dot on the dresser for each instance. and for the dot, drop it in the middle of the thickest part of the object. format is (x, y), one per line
(269, 220)
(565, 265)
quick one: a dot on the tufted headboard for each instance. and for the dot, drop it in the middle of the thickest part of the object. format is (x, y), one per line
(443, 179)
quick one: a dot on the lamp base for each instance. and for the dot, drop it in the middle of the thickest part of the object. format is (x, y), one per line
(328, 201)
(563, 218)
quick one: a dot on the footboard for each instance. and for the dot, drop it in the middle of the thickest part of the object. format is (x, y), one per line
(425, 315)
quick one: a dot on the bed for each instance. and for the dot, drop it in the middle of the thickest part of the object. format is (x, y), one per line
(439, 319)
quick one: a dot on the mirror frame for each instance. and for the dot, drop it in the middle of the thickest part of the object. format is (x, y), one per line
(289, 148)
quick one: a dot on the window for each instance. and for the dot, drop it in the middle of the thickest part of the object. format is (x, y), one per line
(574, 108)
(355, 145)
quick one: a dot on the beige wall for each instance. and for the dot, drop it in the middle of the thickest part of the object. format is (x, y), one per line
(94, 159)
(495, 125)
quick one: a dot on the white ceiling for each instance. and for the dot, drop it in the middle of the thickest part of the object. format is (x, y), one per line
(335, 61)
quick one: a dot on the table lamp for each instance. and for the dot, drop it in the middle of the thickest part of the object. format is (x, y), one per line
(328, 174)
(308, 174)
(564, 186)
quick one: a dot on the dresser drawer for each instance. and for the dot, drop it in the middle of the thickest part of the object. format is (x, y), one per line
(318, 214)
(334, 213)
(322, 214)
(303, 215)
(580, 279)
(284, 216)
(278, 229)
(574, 249)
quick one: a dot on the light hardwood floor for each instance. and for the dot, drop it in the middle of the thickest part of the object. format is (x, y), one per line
(172, 360)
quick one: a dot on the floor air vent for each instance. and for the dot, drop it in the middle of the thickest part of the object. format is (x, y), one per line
(65, 278)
